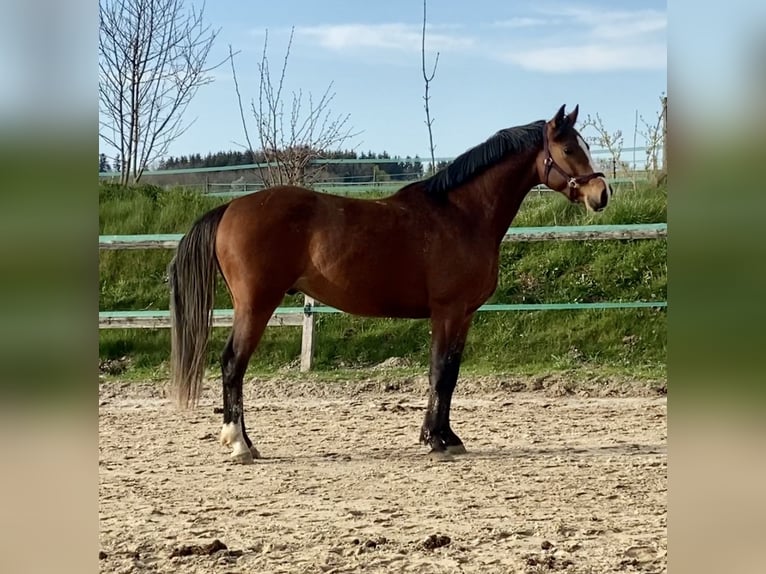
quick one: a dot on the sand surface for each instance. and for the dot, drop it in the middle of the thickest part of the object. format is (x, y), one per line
(554, 481)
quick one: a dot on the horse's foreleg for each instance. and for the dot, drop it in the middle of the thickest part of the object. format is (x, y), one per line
(448, 334)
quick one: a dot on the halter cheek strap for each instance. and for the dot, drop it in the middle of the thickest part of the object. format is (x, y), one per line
(573, 182)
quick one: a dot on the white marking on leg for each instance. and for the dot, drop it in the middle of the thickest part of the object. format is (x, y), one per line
(231, 435)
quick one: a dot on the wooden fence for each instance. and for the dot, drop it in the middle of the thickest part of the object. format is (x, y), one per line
(304, 316)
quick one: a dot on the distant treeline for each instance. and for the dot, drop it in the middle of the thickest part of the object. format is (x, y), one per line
(388, 168)
(407, 168)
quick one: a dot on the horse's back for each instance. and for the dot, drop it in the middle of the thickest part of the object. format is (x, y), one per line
(271, 204)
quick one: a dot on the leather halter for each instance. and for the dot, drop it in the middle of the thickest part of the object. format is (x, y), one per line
(572, 181)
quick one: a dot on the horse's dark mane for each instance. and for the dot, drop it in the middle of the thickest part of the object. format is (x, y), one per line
(474, 161)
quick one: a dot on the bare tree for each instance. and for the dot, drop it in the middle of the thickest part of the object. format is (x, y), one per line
(604, 139)
(427, 78)
(152, 60)
(290, 140)
(654, 135)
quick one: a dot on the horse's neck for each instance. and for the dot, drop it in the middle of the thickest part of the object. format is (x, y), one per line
(496, 195)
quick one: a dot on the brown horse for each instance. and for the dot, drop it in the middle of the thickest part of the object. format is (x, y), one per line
(428, 251)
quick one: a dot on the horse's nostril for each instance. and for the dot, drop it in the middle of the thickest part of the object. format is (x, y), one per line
(604, 197)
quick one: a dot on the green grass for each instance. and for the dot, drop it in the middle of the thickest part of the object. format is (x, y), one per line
(630, 342)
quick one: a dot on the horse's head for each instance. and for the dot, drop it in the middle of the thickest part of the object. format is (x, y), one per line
(565, 163)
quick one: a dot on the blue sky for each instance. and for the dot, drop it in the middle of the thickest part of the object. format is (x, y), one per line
(501, 64)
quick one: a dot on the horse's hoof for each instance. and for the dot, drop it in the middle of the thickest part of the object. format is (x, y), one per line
(254, 452)
(440, 456)
(456, 449)
(244, 457)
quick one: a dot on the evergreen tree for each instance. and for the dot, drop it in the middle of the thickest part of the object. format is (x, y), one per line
(103, 163)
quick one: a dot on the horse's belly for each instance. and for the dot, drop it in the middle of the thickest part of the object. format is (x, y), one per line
(366, 300)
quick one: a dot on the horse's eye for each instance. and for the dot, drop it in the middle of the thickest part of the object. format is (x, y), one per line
(567, 150)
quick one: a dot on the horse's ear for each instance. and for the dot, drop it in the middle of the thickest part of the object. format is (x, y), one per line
(560, 119)
(572, 117)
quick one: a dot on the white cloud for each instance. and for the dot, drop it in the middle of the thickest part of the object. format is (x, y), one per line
(623, 25)
(555, 39)
(404, 37)
(591, 58)
(592, 40)
(521, 22)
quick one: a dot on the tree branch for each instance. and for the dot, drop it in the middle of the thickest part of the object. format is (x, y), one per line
(426, 97)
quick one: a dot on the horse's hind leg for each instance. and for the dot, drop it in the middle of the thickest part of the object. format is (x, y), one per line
(448, 335)
(248, 329)
(228, 369)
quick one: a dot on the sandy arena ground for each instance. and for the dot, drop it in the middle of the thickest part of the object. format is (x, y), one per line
(554, 481)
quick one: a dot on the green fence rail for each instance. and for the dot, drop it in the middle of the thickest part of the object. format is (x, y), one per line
(560, 233)
(256, 166)
(223, 316)
(265, 165)
(304, 316)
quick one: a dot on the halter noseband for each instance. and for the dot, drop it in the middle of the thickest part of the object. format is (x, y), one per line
(572, 181)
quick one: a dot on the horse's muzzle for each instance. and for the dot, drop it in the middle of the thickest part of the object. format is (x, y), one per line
(599, 203)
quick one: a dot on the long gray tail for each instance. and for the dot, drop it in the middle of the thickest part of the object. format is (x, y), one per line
(192, 274)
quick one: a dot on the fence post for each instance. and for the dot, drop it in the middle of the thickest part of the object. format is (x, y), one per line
(307, 340)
